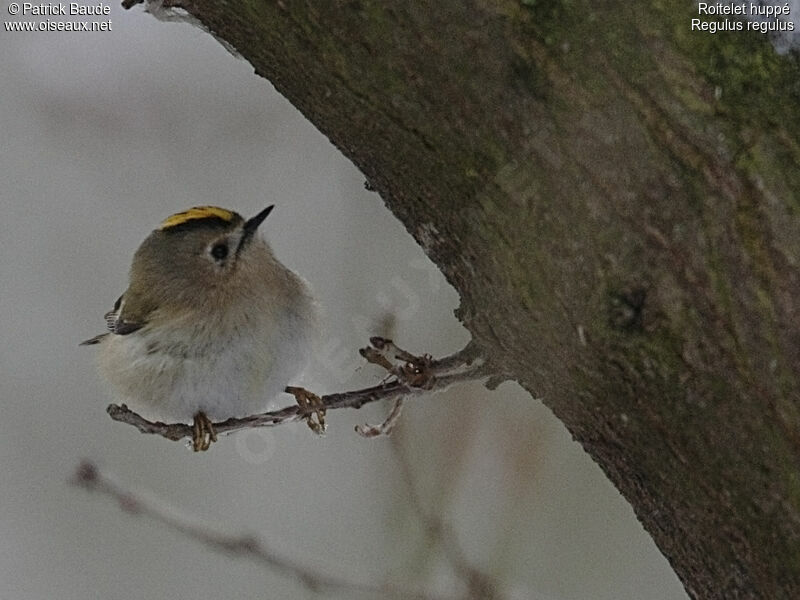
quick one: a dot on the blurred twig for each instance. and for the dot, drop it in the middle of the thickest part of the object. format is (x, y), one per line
(90, 477)
(410, 376)
(480, 585)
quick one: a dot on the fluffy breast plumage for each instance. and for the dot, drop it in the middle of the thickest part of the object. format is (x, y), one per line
(226, 366)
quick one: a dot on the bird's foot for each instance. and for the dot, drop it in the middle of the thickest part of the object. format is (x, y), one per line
(312, 408)
(202, 432)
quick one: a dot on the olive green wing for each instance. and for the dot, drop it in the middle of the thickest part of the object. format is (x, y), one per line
(119, 321)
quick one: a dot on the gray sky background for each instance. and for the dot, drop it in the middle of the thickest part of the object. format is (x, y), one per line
(105, 134)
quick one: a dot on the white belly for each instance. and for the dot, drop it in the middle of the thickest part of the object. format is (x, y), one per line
(233, 374)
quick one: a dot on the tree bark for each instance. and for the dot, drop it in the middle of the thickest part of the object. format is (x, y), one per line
(615, 197)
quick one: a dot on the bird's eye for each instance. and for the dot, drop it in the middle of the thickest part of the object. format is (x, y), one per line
(219, 251)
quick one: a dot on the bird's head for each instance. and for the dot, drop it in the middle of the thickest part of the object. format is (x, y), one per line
(200, 254)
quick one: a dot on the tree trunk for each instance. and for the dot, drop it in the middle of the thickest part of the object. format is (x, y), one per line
(615, 197)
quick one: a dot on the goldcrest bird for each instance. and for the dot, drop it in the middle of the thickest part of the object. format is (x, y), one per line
(212, 325)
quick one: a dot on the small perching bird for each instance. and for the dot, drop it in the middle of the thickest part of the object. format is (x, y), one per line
(212, 325)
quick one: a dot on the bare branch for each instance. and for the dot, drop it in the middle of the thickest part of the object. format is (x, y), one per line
(413, 377)
(90, 477)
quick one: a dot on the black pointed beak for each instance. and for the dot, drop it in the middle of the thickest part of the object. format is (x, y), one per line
(251, 225)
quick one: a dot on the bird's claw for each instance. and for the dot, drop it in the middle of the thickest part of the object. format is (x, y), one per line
(203, 433)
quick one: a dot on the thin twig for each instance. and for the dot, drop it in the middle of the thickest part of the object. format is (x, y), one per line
(418, 376)
(90, 477)
(370, 431)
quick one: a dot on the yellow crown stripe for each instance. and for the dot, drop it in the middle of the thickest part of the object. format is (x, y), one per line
(198, 212)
